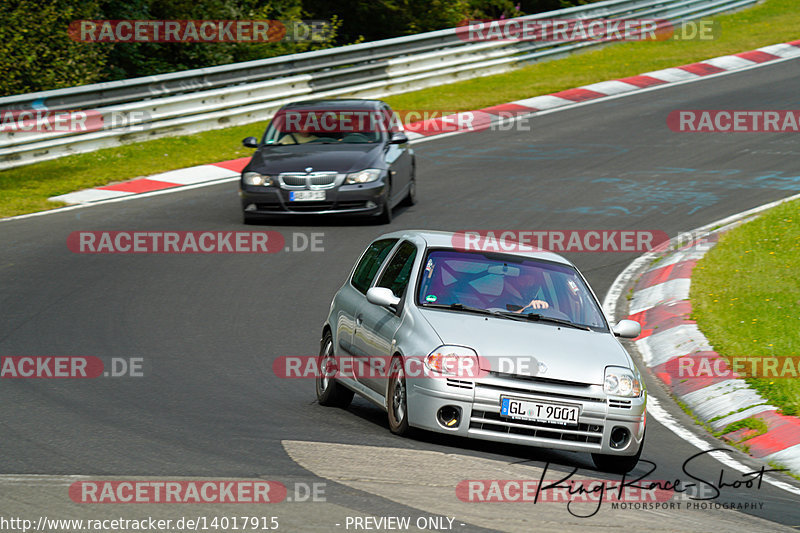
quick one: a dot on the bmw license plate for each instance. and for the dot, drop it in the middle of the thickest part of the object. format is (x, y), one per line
(553, 413)
(306, 196)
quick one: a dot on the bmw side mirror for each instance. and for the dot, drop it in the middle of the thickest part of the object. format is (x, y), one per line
(398, 137)
(250, 142)
(382, 296)
(627, 329)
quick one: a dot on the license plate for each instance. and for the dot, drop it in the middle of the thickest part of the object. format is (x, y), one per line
(306, 196)
(553, 413)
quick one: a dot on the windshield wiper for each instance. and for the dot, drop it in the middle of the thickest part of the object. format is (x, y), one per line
(538, 317)
(477, 310)
(461, 307)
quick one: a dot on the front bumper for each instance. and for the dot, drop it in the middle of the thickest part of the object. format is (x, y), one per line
(479, 403)
(358, 199)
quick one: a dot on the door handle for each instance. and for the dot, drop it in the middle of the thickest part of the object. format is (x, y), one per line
(359, 321)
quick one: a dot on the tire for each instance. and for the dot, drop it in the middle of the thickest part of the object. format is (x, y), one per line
(617, 464)
(396, 401)
(330, 393)
(411, 197)
(385, 216)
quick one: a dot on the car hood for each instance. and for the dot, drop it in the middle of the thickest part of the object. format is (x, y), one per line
(274, 159)
(517, 348)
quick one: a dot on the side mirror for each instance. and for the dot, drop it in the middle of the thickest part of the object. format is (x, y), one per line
(628, 329)
(398, 137)
(382, 296)
(250, 142)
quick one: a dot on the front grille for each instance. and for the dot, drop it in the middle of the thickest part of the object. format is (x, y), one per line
(322, 178)
(537, 379)
(620, 404)
(310, 207)
(269, 207)
(460, 383)
(507, 388)
(314, 180)
(493, 422)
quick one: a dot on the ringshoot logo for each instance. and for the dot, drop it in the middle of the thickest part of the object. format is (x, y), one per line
(68, 367)
(715, 366)
(558, 240)
(198, 31)
(734, 121)
(177, 492)
(176, 242)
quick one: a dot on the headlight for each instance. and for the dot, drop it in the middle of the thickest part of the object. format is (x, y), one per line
(453, 361)
(254, 178)
(363, 176)
(622, 382)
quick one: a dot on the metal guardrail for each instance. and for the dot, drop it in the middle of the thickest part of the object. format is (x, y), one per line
(186, 102)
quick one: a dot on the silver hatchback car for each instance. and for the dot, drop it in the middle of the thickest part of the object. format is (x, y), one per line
(503, 346)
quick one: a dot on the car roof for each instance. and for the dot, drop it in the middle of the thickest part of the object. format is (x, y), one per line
(338, 104)
(444, 239)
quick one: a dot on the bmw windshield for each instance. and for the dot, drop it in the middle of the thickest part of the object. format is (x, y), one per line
(510, 286)
(327, 126)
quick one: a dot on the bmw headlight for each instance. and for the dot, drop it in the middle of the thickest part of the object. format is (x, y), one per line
(453, 361)
(621, 381)
(254, 178)
(363, 176)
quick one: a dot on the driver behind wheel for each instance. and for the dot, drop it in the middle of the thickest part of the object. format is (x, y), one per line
(530, 287)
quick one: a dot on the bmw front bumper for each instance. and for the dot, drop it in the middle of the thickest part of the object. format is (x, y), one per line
(357, 199)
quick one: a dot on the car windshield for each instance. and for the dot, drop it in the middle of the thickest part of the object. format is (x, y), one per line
(508, 285)
(326, 126)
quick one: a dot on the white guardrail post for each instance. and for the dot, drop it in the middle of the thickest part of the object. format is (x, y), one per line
(181, 103)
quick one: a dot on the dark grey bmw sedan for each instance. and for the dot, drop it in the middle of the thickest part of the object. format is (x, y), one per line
(329, 157)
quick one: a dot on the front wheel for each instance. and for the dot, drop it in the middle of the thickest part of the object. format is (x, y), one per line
(329, 391)
(617, 464)
(411, 197)
(385, 216)
(397, 405)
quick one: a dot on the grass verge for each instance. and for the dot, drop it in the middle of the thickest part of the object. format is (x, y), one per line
(745, 297)
(26, 189)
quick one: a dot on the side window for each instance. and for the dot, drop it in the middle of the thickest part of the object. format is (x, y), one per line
(393, 121)
(370, 262)
(398, 271)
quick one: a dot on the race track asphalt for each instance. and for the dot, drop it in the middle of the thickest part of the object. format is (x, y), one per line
(209, 326)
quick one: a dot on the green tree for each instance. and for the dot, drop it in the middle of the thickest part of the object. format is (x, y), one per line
(143, 59)
(36, 52)
(371, 21)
